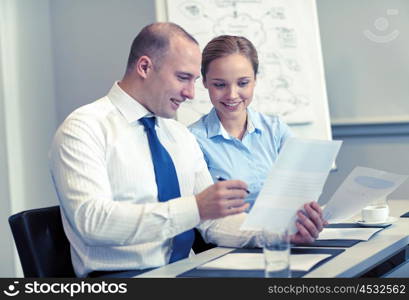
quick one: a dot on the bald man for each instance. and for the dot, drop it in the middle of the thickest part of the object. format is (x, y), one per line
(132, 181)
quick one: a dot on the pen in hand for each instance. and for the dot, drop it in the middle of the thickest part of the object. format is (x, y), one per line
(219, 178)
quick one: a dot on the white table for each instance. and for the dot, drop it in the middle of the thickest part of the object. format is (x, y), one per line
(353, 262)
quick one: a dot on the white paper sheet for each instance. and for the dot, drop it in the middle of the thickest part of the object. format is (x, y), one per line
(359, 189)
(297, 177)
(362, 234)
(255, 261)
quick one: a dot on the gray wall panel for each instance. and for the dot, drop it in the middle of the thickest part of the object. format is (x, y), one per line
(91, 45)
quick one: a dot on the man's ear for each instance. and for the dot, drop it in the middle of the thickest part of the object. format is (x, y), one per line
(143, 66)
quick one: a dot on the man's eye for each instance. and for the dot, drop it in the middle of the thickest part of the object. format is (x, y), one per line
(183, 78)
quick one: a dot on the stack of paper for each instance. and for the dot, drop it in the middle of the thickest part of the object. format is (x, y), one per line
(362, 234)
(255, 261)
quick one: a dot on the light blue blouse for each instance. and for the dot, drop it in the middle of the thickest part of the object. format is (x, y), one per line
(249, 159)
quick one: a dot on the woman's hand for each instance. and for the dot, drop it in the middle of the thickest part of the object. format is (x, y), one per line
(309, 224)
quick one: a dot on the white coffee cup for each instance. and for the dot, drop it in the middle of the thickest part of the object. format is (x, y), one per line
(375, 213)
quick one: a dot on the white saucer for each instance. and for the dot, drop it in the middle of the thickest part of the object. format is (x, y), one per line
(388, 221)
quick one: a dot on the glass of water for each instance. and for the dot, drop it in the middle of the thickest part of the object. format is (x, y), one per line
(276, 249)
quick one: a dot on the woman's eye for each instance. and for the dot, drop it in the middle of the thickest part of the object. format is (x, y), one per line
(218, 85)
(243, 83)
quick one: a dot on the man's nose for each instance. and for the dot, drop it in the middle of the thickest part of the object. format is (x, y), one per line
(189, 91)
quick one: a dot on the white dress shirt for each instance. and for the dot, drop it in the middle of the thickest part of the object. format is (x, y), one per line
(102, 170)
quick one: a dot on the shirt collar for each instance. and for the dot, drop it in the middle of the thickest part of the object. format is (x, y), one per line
(253, 121)
(215, 127)
(130, 108)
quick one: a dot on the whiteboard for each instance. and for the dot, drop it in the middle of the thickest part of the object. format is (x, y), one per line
(291, 80)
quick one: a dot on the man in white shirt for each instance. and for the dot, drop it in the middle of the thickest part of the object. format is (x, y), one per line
(102, 169)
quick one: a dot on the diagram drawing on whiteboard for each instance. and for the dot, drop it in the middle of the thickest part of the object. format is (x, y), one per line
(285, 79)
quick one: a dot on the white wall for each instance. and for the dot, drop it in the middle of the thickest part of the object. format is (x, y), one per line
(6, 252)
(55, 56)
(29, 114)
(91, 41)
(367, 82)
(366, 59)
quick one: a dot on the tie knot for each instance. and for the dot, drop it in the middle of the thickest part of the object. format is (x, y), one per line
(148, 122)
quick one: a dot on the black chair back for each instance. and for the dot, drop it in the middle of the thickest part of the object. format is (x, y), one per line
(199, 245)
(42, 246)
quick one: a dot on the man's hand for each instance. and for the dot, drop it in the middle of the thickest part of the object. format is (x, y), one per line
(309, 224)
(222, 199)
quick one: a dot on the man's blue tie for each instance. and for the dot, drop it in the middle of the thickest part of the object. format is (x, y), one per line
(168, 186)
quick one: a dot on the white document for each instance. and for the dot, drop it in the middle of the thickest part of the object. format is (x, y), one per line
(297, 177)
(362, 234)
(255, 261)
(359, 189)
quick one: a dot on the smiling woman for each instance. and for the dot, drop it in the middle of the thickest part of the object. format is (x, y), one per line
(237, 142)
(230, 81)
(229, 70)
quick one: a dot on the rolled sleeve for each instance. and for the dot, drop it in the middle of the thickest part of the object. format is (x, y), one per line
(184, 214)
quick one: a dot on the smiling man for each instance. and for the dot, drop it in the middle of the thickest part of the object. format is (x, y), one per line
(161, 79)
(131, 181)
